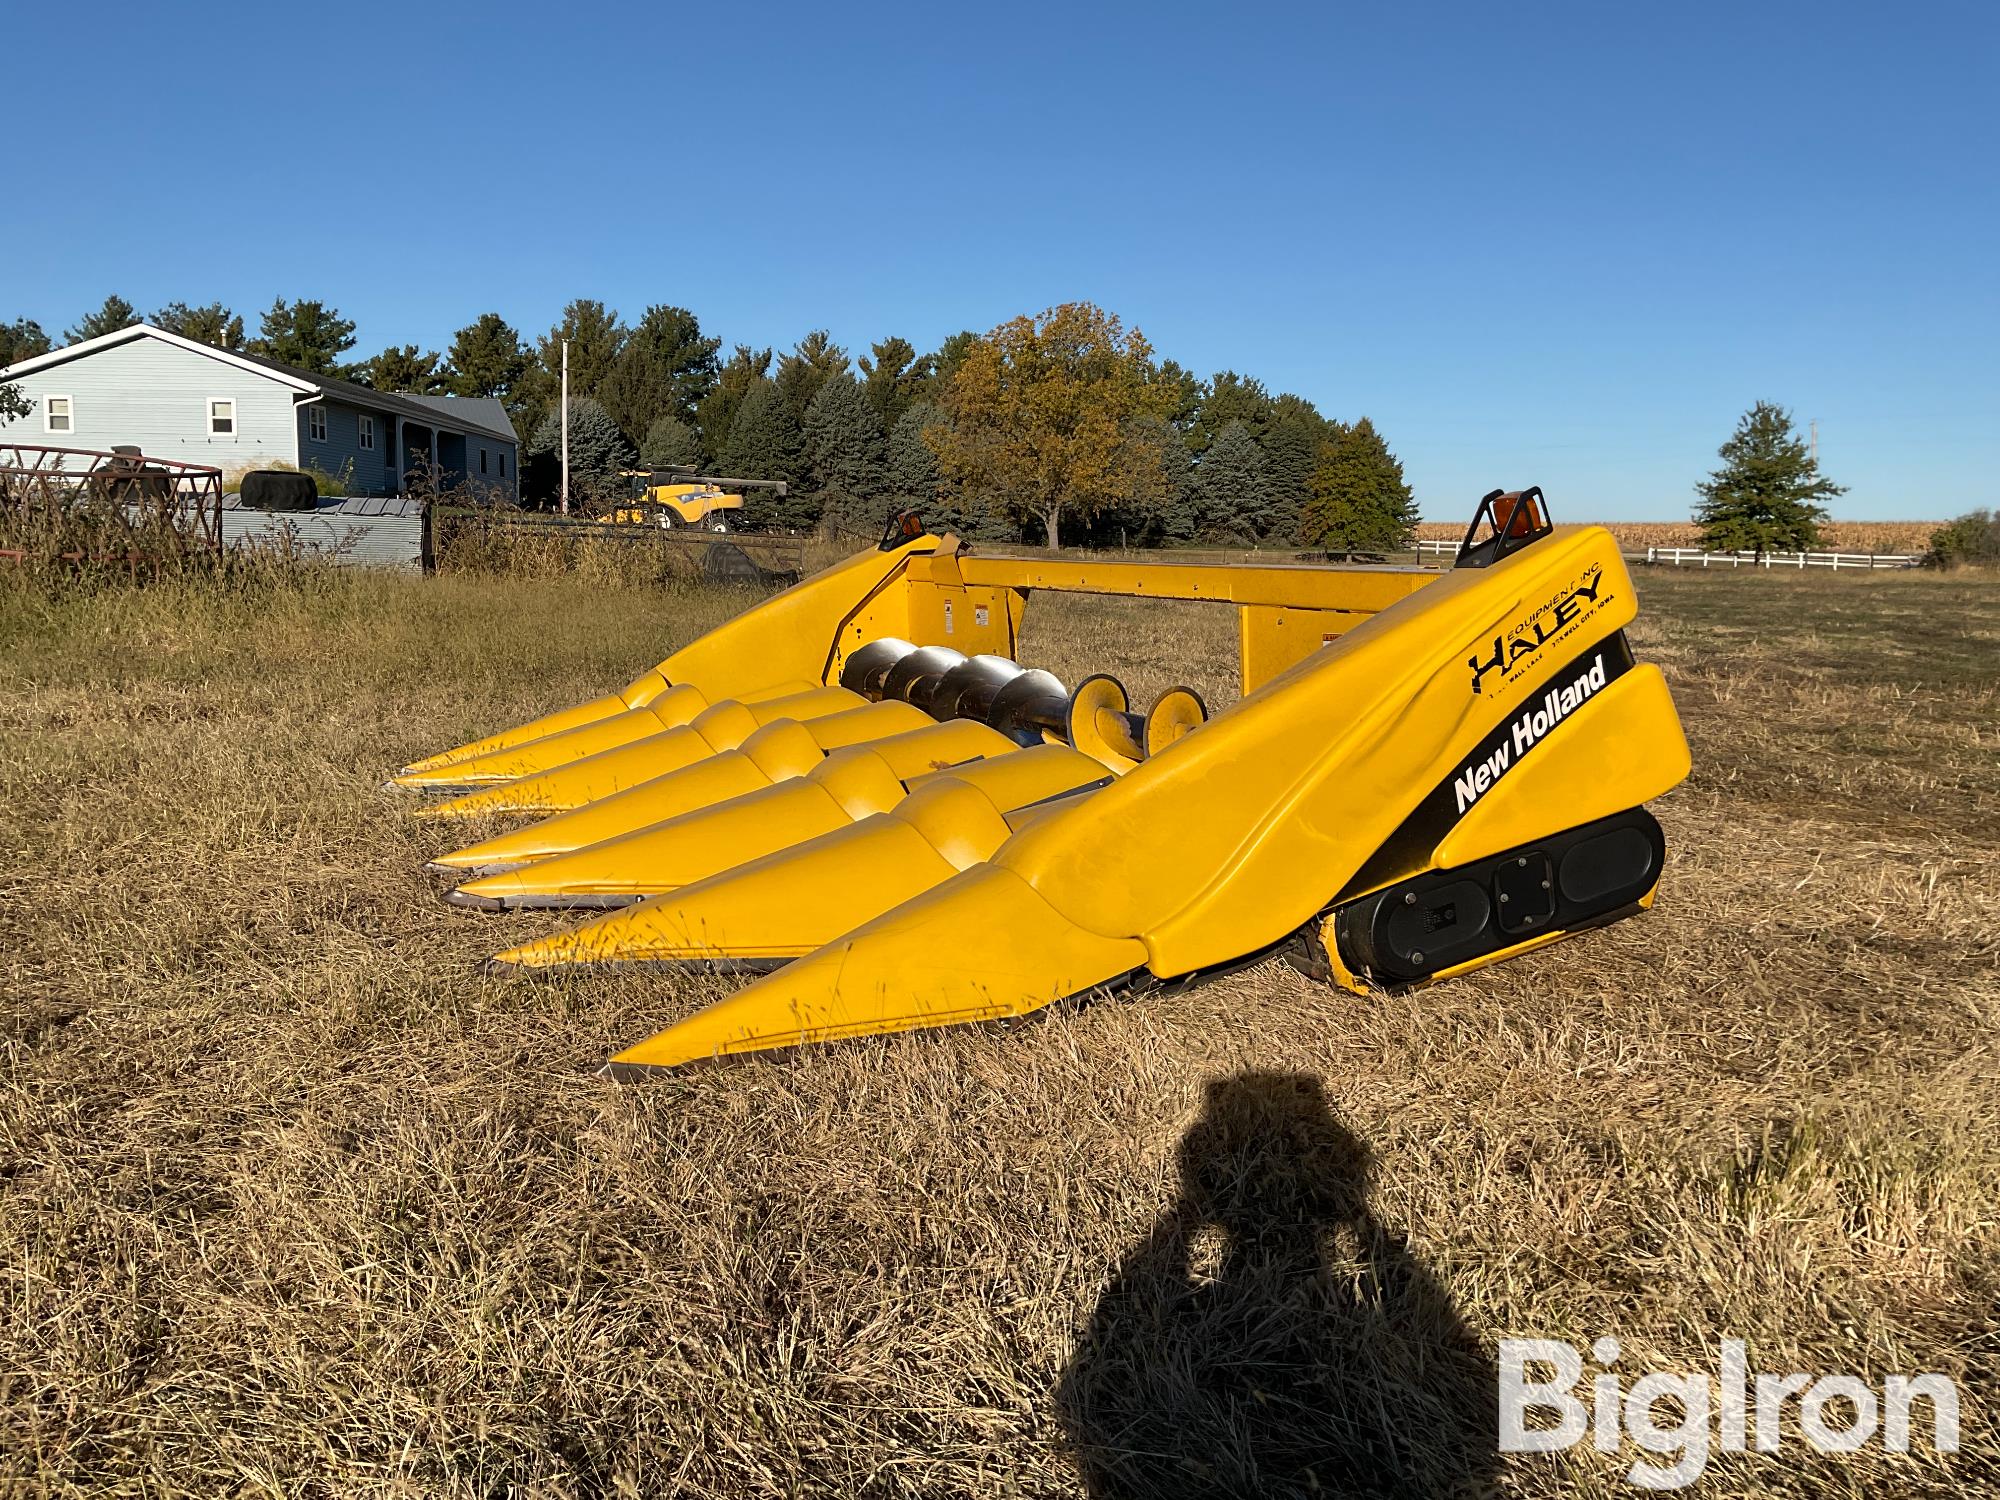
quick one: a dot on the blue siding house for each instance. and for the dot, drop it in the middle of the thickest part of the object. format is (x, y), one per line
(172, 397)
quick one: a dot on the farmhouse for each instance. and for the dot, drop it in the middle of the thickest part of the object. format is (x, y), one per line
(175, 398)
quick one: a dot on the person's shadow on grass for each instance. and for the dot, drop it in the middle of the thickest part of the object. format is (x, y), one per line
(1270, 1337)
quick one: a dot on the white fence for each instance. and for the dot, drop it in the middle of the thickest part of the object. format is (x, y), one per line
(1690, 557)
(1694, 557)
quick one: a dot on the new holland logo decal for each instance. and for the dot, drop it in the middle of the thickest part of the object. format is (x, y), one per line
(1514, 649)
(1524, 731)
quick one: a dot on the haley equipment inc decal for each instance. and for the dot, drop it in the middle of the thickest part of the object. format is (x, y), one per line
(1515, 650)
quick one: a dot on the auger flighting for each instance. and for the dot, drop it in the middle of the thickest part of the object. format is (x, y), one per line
(856, 787)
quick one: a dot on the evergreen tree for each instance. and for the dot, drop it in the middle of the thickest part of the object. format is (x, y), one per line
(669, 441)
(912, 467)
(597, 451)
(1291, 452)
(814, 360)
(950, 355)
(847, 452)
(717, 414)
(306, 335)
(665, 369)
(1185, 394)
(1233, 493)
(1765, 497)
(1358, 502)
(765, 442)
(401, 368)
(486, 358)
(1180, 511)
(1231, 398)
(116, 313)
(896, 378)
(22, 339)
(595, 335)
(214, 324)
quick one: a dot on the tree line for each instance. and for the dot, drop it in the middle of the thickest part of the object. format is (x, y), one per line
(1059, 427)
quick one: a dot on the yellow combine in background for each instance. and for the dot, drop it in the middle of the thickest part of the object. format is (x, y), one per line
(855, 787)
(677, 498)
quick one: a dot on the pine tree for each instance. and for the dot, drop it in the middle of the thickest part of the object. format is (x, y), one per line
(814, 360)
(717, 413)
(401, 368)
(913, 470)
(665, 369)
(306, 335)
(949, 356)
(597, 451)
(116, 313)
(486, 358)
(1291, 451)
(1185, 393)
(214, 324)
(1234, 491)
(765, 443)
(846, 450)
(669, 441)
(22, 339)
(1358, 502)
(896, 378)
(595, 337)
(1231, 398)
(1765, 496)
(1180, 514)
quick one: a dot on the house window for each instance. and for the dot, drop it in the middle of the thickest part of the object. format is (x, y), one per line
(59, 414)
(367, 432)
(482, 460)
(316, 423)
(221, 417)
(503, 466)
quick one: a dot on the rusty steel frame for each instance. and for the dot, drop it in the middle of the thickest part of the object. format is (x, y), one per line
(150, 497)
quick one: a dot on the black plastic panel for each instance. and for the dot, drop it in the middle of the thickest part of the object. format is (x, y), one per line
(1449, 917)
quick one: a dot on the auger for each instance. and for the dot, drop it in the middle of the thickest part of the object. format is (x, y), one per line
(855, 789)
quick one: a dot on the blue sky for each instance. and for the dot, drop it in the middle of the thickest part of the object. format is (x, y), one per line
(1563, 245)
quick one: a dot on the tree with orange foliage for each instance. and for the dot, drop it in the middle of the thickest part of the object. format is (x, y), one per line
(1054, 416)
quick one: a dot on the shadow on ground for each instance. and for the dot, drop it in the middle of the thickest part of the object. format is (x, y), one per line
(1269, 1336)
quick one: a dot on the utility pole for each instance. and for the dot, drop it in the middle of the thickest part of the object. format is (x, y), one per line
(565, 428)
(1815, 441)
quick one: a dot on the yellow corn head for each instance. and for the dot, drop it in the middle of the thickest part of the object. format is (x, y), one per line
(856, 790)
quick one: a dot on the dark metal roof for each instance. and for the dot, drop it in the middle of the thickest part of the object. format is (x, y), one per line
(477, 413)
(487, 413)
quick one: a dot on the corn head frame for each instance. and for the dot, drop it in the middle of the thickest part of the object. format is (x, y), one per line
(856, 792)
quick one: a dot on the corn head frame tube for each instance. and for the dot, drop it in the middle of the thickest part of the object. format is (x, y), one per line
(925, 590)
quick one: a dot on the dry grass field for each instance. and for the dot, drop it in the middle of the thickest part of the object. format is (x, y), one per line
(295, 1202)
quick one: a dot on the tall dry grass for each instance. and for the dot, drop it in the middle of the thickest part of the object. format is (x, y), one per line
(296, 1201)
